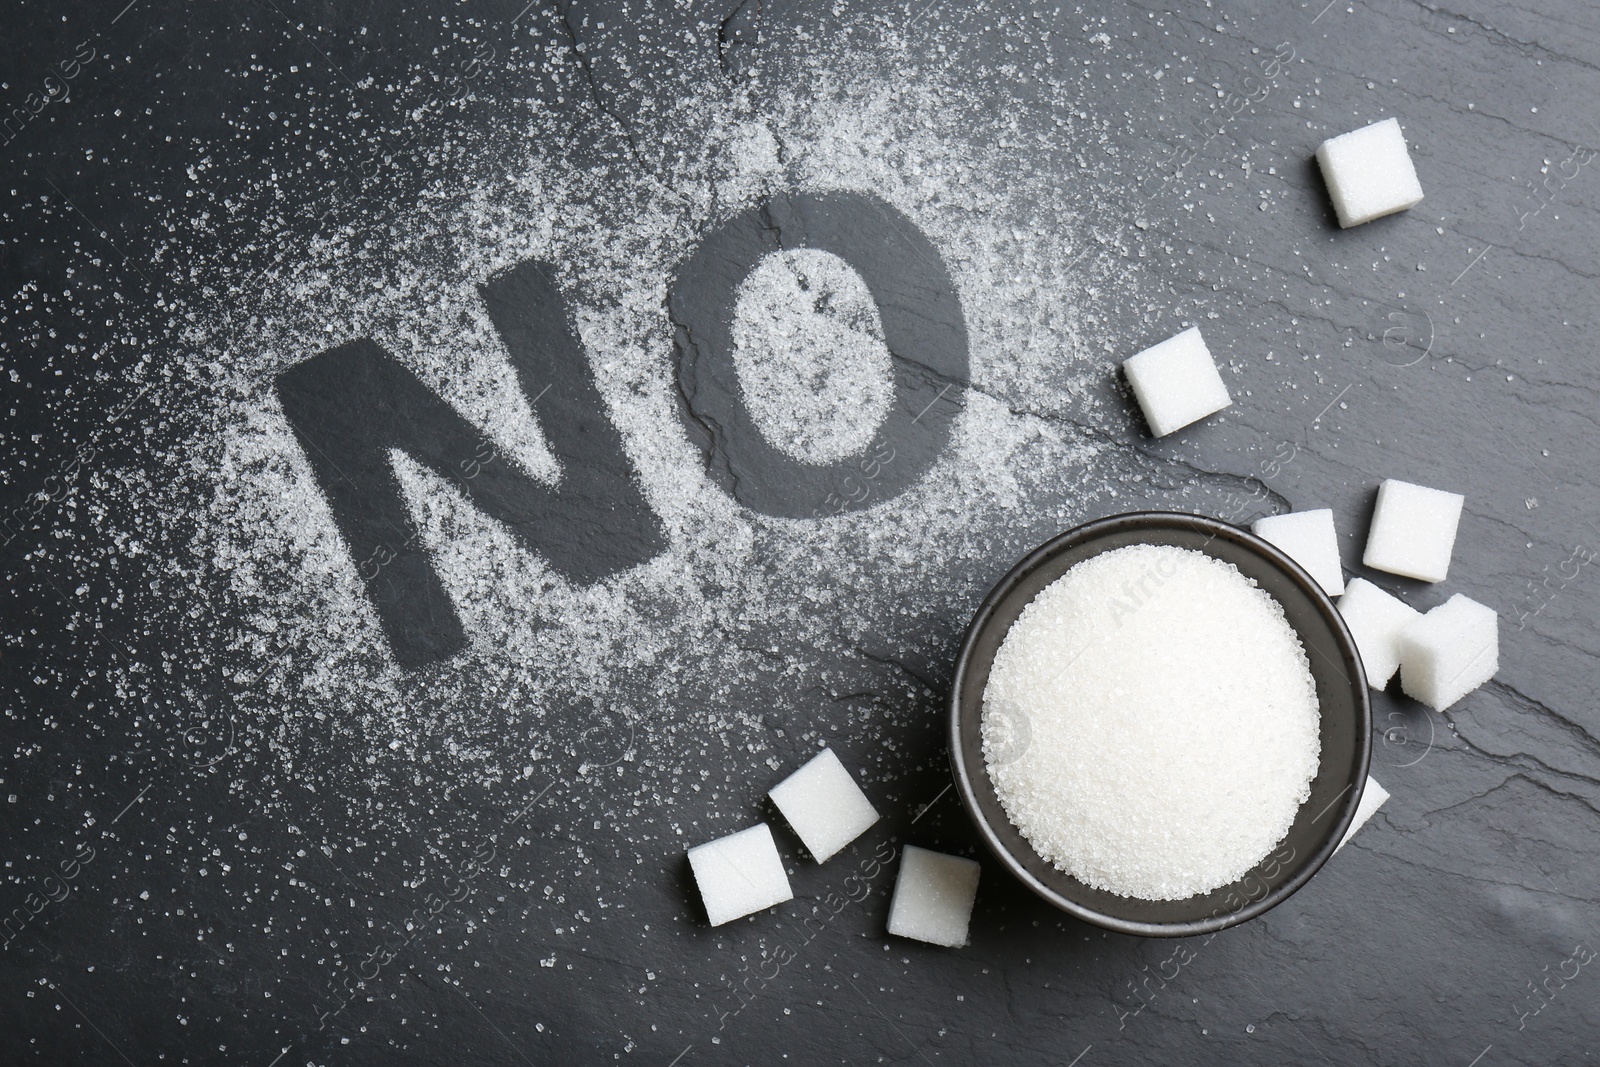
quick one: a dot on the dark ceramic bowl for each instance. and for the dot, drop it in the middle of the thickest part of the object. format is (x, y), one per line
(1341, 692)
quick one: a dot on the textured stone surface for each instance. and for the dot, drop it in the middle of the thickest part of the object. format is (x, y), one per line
(1450, 345)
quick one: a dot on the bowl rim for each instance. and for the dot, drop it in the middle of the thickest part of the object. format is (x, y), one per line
(1348, 651)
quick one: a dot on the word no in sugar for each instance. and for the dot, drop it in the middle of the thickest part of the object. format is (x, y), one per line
(350, 405)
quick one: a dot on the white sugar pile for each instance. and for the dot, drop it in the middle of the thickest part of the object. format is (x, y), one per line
(1172, 722)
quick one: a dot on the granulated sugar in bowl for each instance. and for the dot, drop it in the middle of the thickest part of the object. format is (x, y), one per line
(1151, 723)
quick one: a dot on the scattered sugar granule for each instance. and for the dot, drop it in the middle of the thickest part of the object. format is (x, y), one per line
(933, 895)
(1372, 798)
(824, 805)
(1310, 540)
(1173, 724)
(1369, 173)
(1375, 619)
(1449, 652)
(1176, 382)
(1413, 531)
(739, 874)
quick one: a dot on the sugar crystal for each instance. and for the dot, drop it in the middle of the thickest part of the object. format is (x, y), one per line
(739, 874)
(824, 805)
(1413, 531)
(1449, 652)
(1376, 620)
(1369, 173)
(1176, 382)
(1310, 540)
(933, 895)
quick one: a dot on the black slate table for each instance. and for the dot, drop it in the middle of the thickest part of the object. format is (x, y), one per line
(208, 858)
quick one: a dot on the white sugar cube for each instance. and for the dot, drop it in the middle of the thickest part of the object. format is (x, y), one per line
(1413, 531)
(739, 874)
(1376, 619)
(824, 805)
(1449, 652)
(1176, 382)
(933, 895)
(1369, 173)
(1309, 539)
(1372, 798)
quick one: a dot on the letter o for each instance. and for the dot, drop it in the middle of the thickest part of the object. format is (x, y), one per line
(923, 328)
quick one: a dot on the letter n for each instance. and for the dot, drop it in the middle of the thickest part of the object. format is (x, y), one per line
(350, 405)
